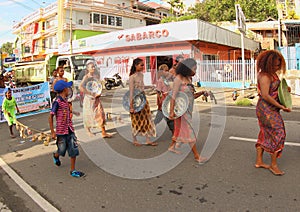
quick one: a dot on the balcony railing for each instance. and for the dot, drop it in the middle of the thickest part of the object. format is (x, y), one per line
(96, 6)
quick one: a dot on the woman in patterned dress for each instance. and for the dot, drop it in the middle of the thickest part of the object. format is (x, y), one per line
(272, 133)
(93, 113)
(141, 122)
(183, 128)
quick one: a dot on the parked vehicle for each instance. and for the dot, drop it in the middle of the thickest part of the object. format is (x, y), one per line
(34, 72)
(114, 81)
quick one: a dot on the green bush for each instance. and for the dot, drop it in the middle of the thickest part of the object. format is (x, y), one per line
(243, 102)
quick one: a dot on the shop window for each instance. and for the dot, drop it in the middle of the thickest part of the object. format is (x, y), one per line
(96, 18)
(104, 19)
(118, 21)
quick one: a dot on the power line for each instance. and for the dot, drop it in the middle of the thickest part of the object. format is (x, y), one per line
(37, 3)
(23, 5)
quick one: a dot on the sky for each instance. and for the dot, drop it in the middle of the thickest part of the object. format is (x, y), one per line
(14, 10)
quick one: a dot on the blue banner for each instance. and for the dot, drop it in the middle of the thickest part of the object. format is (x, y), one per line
(30, 100)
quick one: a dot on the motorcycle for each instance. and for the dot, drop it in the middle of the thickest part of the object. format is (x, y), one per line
(114, 81)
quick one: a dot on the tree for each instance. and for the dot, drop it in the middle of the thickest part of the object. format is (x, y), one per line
(7, 48)
(224, 10)
(176, 5)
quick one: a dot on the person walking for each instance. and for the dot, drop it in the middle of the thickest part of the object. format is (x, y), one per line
(163, 87)
(9, 106)
(66, 139)
(141, 122)
(272, 133)
(51, 83)
(93, 112)
(183, 126)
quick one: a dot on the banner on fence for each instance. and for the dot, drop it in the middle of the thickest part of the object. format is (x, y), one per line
(30, 100)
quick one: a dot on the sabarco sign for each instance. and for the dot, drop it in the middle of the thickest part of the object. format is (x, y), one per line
(145, 35)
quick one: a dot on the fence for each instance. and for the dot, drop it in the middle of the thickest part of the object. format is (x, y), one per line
(225, 73)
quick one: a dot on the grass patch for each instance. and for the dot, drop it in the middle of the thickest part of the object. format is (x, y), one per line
(243, 102)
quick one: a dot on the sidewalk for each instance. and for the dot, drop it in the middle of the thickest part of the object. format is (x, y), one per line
(252, 93)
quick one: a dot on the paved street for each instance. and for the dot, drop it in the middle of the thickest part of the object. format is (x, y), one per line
(122, 177)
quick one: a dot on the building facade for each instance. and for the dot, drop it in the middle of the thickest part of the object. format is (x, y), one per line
(41, 32)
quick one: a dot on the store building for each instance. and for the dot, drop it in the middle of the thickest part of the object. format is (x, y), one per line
(41, 32)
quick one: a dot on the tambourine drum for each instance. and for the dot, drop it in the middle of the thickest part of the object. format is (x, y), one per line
(284, 95)
(180, 107)
(139, 100)
(94, 86)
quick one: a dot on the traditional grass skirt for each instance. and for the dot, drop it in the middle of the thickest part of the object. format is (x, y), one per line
(141, 122)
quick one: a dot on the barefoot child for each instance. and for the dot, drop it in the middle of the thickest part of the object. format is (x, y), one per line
(66, 139)
(8, 107)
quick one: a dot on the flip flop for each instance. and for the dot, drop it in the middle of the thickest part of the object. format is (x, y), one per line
(13, 136)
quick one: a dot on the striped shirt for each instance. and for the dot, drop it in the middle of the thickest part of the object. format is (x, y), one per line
(61, 109)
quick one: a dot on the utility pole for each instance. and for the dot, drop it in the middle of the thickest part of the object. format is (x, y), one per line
(241, 23)
(1, 59)
(71, 29)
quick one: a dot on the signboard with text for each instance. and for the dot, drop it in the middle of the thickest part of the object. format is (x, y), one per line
(30, 100)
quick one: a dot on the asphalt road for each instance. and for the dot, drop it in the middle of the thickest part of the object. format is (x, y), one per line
(122, 177)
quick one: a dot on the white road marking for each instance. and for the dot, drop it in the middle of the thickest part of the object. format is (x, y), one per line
(254, 140)
(44, 204)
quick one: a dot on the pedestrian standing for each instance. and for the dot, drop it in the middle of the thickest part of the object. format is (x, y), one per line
(163, 88)
(178, 60)
(51, 83)
(141, 122)
(60, 75)
(66, 139)
(272, 133)
(183, 126)
(9, 106)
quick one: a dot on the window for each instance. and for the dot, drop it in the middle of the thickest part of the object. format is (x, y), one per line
(44, 44)
(27, 49)
(104, 19)
(80, 21)
(43, 26)
(96, 18)
(118, 21)
(111, 20)
(210, 57)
